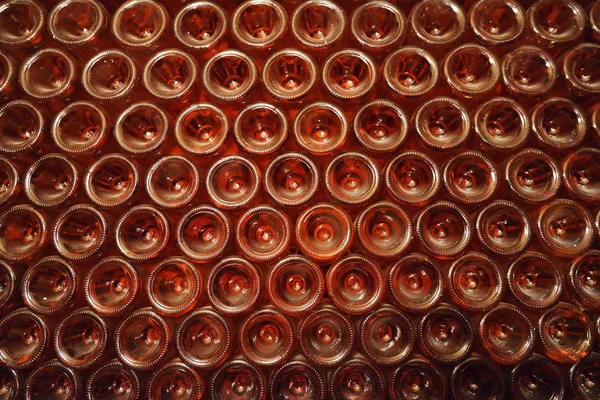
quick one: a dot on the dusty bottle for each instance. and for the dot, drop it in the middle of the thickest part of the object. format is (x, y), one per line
(357, 378)
(81, 339)
(555, 23)
(566, 333)
(113, 380)
(263, 233)
(22, 127)
(318, 25)
(233, 182)
(532, 176)
(326, 336)
(581, 174)
(78, 23)
(170, 75)
(53, 380)
(24, 338)
(291, 179)
(109, 76)
(529, 72)
(504, 228)
(10, 181)
(470, 177)
(173, 286)
(378, 26)
(416, 283)
(583, 378)
(295, 285)
(289, 75)
(349, 75)
(559, 123)
(565, 227)
(583, 279)
(80, 128)
(507, 334)
(52, 180)
(201, 129)
(111, 286)
(297, 379)
(233, 286)
(204, 233)
(471, 70)
(324, 232)
(384, 229)
(412, 178)
(79, 232)
(261, 128)
(266, 337)
(229, 76)
(142, 233)
(387, 336)
(50, 286)
(111, 181)
(25, 23)
(477, 378)
(410, 72)
(237, 378)
(442, 123)
(23, 233)
(352, 178)
(142, 340)
(444, 229)
(535, 378)
(501, 123)
(476, 282)
(320, 128)
(175, 379)
(446, 335)
(201, 26)
(535, 280)
(418, 379)
(140, 24)
(204, 339)
(141, 129)
(381, 126)
(259, 24)
(172, 181)
(497, 23)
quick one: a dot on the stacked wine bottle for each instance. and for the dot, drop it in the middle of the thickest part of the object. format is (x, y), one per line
(299, 200)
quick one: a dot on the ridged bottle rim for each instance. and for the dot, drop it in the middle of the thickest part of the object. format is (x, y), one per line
(588, 300)
(574, 385)
(107, 159)
(295, 24)
(426, 137)
(494, 65)
(69, 296)
(204, 256)
(344, 219)
(190, 359)
(373, 183)
(281, 247)
(254, 276)
(520, 90)
(103, 128)
(594, 16)
(403, 129)
(114, 363)
(41, 240)
(9, 284)
(156, 34)
(87, 76)
(489, 39)
(526, 366)
(288, 335)
(465, 239)
(40, 13)
(461, 23)
(530, 255)
(319, 385)
(133, 290)
(466, 348)
(56, 365)
(100, 238)
(39, 130)
(161, 245)
(99, 353)
(192, 190)
(439, 376)
(45, 333)
(237, 364)
(248, 196)
(400, 25)
(370, 64)
(238, 129)
(528, 154)
(66, 83)
(492, 175)
(544, 137)
(322, 313)
(261, 43)
(39, 163)
(194, 293)
(480, 363)
(12, 379)
(435, 298)
(216, 144)
(435, 171)
(489, 245)
(54, 26)
(13, 185)
(567, 68)
(391, 82)
(215, 39)
(162, 133)
(481, 130)
(335, 144)
(379, 380)
(503, 357)
(238, 94)
(580, 23)
(196, 380)
(296, 94)
(566, 169)
(180, 91)
(279, 303)
(9, 72)
(401, 246)
(268, 179)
